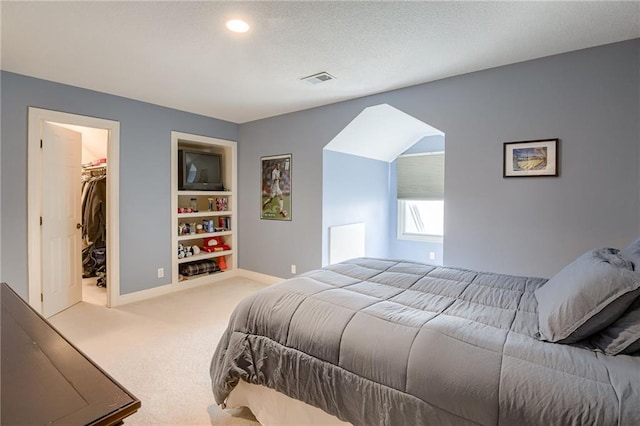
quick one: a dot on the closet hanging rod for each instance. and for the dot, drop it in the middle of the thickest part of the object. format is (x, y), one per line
(101, 166)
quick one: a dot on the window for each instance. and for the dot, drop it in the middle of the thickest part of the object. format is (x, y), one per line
(421, 197)
(421, 220)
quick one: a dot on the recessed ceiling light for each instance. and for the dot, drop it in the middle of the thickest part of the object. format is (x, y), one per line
(237, 26)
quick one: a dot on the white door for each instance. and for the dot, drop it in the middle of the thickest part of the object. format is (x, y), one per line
(61, 219)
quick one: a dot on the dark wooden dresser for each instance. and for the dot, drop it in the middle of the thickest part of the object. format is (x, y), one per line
(48, 381)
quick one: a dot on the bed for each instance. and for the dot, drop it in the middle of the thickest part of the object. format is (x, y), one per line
(390, 342)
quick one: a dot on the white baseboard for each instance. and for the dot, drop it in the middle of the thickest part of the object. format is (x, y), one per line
(141, 295)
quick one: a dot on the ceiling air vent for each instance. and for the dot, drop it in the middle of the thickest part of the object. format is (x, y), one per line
(321, 77)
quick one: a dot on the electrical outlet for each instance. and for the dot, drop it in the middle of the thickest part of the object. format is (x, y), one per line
(432, 255)
(293, 269)
(160, 272)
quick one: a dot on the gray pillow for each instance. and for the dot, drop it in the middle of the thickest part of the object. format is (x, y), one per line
(586, 296)
(632, 252)
(623, 336)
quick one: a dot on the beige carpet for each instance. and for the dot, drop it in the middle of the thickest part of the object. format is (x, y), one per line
(93, 294)
(160, 350)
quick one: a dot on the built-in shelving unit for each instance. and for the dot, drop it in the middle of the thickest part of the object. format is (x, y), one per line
(203, 210)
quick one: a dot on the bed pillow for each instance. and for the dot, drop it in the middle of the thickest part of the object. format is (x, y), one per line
(623, 336)
(586, 296)
(632, 252)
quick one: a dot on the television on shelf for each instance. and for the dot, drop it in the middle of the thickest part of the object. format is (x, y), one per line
(199, 170)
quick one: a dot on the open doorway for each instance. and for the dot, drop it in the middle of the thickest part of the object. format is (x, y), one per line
(55, 282)
(94, 173)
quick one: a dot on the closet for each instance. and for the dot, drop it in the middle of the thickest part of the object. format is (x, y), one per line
(94, 221)
(58, 145)
(93, 202)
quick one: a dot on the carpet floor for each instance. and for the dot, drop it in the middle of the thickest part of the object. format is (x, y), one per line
(160, 350)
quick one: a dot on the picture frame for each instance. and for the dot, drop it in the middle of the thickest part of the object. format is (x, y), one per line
(534, 158)
(275, 187)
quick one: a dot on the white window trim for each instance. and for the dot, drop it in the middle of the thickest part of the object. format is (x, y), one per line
(408, 236)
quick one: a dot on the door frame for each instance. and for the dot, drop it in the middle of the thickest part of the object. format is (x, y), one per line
(36, 119)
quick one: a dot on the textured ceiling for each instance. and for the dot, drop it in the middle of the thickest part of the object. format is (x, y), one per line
(178, 54)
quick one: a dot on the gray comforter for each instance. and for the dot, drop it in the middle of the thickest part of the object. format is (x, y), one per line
(397, 343)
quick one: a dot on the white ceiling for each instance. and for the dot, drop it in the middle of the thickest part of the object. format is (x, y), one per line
(380, 132)
(179, 54)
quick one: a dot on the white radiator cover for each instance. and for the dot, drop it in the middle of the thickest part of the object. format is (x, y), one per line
(346, 242)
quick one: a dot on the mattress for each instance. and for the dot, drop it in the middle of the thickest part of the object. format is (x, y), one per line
(376, 341)
(272, 408)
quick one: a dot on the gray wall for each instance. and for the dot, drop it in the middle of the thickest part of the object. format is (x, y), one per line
(534, 226)
(356, 189)
(271, 246)
(145, 148)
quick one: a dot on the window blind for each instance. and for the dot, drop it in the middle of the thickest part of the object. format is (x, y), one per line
(421, 176)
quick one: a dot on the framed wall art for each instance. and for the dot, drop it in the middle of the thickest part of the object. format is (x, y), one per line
(530, 158)
(275, 191)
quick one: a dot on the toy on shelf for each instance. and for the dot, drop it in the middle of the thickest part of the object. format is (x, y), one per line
(208, 225)
(187, 251)
(221, 204)
(189, 228)
(198, 267)
(222, 263)
(211, 244)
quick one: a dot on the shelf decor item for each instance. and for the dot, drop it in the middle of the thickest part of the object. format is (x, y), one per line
(275, 191)
(221, 204)
(530, 158)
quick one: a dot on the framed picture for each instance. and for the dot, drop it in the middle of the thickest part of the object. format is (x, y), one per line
(530, 158)
(275, 191)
